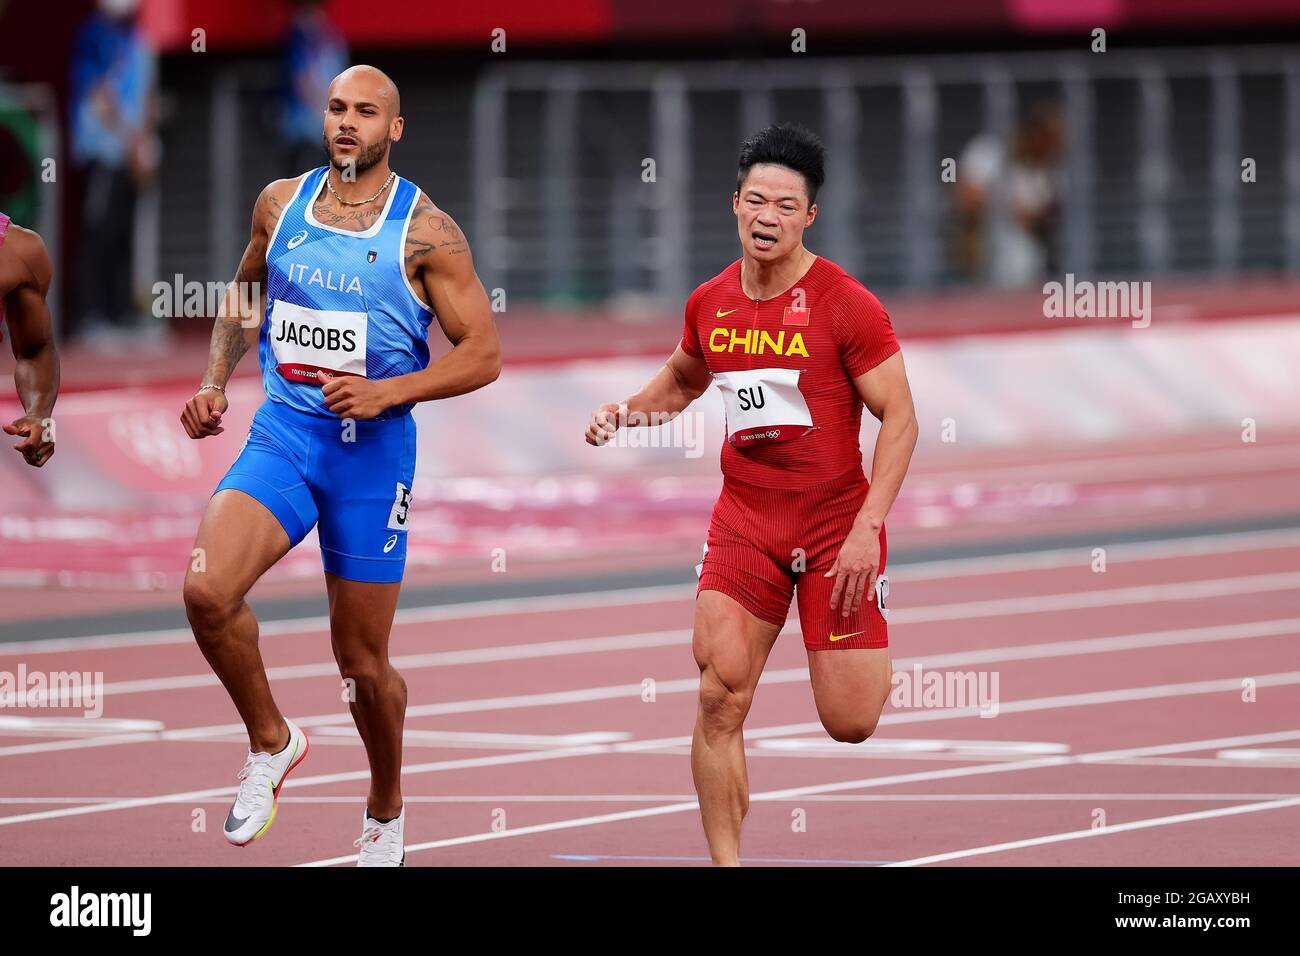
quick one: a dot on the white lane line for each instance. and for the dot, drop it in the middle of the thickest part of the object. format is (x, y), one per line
(691, 685)
(866, 783)
(1230, 685)
(495, 607)
(1157, 549)
(1173, 637)
(1032, 797)
(961, 610)
(918, 757)
(478, 655)
(297, 782)
(85, 743)
(1109, 829)
(414, 739)
(1137, 693)
(504, 798)
(1216, 762)
(1225, 685)
(464, 738)
(1279, 755)
(909, 745)
(1105, 597)
(1014, 652)
(15, 725)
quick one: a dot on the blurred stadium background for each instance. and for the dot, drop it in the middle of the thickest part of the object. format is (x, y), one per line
(978, 150)
(588, 150)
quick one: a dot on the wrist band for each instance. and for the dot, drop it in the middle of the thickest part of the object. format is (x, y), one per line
(217, 387)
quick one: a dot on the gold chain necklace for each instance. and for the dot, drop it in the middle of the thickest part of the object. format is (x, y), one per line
(361, 202)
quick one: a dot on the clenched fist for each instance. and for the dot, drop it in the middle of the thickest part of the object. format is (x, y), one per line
(201, 415)
(38, 439)
(351, 396)
(605, 421)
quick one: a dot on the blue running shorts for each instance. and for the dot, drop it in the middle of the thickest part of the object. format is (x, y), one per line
(353, 477)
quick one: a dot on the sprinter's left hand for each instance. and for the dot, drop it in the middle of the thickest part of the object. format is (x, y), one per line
(351, 396)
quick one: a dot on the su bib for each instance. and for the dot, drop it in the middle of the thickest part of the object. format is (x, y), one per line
(763, 405)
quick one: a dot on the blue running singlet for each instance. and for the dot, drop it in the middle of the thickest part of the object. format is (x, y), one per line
(337, 301)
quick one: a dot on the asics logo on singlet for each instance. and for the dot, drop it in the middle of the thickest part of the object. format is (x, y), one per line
(390, 544)
(325, 278)
(297, 240)
(756, 342)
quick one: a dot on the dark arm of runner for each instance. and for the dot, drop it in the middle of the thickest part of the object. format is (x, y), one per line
(36, 375)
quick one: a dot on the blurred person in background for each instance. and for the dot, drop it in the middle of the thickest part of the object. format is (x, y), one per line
(115, 146)
(1016, 247)
(315, 53)
(25, 274)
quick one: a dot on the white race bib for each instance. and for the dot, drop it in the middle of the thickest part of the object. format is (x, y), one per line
(763, 405)
(308, 341)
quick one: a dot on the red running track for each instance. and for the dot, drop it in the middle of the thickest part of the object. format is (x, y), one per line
(1148, 714)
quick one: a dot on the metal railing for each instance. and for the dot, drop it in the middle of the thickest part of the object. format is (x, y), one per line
(561, 209)
(554, 190)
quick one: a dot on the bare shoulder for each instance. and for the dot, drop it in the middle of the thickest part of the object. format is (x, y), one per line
(434, 239)
(274, 197)
(29, 251)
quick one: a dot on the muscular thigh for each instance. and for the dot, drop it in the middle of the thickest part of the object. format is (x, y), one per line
(828, 519)
(361, 617)
(238, 539)
(730, 643)
(362, 488)
(850, 685)
(745, 586)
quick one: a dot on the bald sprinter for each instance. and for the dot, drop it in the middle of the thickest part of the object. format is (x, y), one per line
(347, 268)
(373, 96)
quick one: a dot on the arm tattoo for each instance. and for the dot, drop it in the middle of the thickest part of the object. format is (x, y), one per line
(226, 349)
(273, 213)
(449, 235)
(240, 304)
(229, 338)
(415, 249)
(431, 232)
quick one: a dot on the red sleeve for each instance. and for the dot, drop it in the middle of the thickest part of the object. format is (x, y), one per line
(691, 334)
(862, 328)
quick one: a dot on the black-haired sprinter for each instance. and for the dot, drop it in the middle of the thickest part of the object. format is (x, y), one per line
(796, 347)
